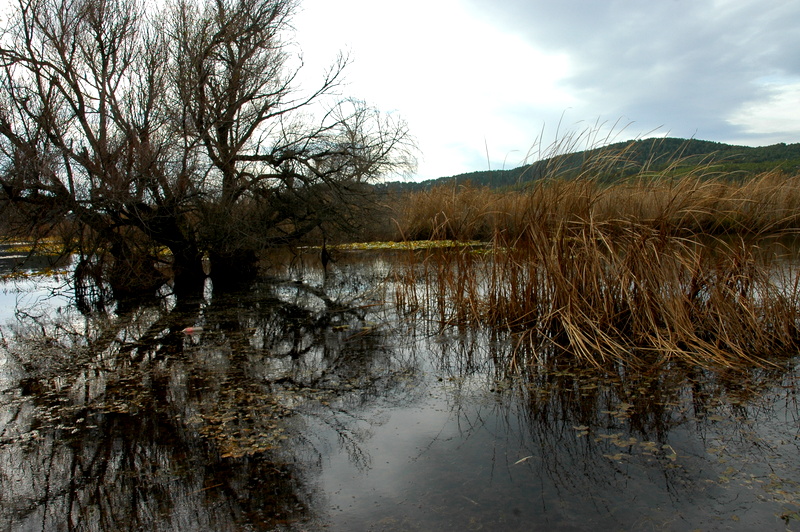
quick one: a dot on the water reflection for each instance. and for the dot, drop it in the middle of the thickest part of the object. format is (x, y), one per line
(121, 420)
(304, 402)
(565, 448)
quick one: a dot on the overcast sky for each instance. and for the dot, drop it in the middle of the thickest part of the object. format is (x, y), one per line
(510, 77)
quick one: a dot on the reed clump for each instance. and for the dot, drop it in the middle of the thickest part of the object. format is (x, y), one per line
(606, 294)
(694, 204)
(652, 269)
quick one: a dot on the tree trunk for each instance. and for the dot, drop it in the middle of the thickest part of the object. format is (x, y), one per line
(187, 270)
(133, 275)
(231, 269)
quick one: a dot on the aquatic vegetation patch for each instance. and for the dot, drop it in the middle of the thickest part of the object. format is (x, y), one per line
(45, 246)
(639, 296)
(406, 245)
(33, 274)
(245, 420)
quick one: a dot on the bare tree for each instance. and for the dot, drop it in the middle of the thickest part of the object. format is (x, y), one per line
(180, 127)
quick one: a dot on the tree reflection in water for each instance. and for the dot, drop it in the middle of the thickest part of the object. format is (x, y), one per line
(121, 421)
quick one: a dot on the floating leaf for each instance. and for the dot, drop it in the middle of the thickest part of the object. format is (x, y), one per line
(673, 455)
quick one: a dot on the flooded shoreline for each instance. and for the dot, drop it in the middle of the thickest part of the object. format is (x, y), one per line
(308, 402)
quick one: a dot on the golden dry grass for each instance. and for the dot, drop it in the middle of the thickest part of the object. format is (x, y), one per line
(689, 205)
(603, 296)
(650, 270)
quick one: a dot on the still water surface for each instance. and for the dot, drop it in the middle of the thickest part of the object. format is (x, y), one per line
(306, 403)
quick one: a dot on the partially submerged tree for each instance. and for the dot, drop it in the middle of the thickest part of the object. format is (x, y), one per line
(179, 127)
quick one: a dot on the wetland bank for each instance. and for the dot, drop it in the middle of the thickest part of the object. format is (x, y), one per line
(368, 398)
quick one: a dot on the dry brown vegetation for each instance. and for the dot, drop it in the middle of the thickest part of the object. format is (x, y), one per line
(603, 295)
(692, 204)
(652, 270)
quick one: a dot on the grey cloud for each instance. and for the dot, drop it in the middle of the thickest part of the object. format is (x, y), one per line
(684, 64)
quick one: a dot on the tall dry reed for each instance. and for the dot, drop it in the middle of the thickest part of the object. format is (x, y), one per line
(606, 185)
(689, 205)
(606, 294)
(650, 268)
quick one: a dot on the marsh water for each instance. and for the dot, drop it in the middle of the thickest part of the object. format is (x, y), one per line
(309, 401)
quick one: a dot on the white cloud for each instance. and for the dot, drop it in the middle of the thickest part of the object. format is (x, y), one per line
(460, 82)
(775, 118)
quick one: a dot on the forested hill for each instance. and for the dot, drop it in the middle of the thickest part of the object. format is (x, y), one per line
(656, 153)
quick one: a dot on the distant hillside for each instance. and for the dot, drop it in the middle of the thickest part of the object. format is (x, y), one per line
(656, 154)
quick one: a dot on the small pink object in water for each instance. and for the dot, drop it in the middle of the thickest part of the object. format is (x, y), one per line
(192, 330)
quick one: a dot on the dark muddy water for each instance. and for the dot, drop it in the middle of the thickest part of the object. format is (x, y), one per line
(308, 403)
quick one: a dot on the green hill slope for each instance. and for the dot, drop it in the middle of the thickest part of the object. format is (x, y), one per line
(626, 158)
